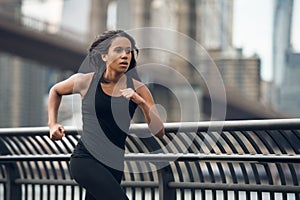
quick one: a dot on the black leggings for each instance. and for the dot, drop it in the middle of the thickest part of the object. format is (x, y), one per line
(100, 181)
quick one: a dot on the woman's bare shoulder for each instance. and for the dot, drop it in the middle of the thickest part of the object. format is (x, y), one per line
(140, 87)
(83, 81)
(138, 84)
(81, 77)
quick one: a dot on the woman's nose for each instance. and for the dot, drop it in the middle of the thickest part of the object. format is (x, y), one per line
(125, 53)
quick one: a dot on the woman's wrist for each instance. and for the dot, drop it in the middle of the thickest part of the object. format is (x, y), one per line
(50, 124)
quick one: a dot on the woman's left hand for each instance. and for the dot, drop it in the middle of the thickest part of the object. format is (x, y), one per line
(130, 94)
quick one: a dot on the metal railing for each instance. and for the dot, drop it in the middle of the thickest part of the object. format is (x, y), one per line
(257, 159)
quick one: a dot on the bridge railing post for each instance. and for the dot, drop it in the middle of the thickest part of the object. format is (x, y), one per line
(12, 190)
(164, 172)
(165, 176)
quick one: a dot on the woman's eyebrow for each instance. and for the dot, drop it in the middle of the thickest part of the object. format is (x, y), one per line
(122, 47)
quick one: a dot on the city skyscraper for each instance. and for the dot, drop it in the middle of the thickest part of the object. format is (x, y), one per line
(286, 69)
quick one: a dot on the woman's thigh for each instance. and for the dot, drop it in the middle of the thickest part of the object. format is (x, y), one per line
(96, 179)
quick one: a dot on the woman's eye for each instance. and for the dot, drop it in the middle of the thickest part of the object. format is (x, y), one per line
(118, 50)
(127, 51)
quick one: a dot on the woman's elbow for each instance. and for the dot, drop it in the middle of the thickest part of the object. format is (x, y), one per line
(53, 93)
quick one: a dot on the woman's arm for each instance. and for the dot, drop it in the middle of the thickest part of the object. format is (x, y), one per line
(69, 86)
(144, 99)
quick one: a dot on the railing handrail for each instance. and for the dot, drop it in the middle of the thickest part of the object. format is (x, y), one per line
(166, 157)
(266, 124)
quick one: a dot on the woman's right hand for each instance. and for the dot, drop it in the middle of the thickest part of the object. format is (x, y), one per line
(57, 132)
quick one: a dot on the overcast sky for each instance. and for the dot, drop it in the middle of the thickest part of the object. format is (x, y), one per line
(253, 26)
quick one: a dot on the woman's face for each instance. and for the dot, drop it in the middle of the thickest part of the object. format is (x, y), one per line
(119, 55)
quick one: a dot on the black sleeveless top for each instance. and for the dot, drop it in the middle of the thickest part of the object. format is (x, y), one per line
(106, 121)
(114, 114)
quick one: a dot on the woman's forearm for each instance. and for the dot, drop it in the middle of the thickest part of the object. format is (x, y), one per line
(53, 105)
(153, 120)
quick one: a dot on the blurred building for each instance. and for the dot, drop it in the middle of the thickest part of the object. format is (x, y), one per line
(24, 83)
(286, 62)
(241, 73)
(22, 86)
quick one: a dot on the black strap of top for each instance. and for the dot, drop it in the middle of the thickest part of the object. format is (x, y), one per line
(130, 83)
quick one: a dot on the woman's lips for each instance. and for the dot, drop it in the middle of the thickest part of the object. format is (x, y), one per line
(124, 64)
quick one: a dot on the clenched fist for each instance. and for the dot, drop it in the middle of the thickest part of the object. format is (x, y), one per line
(130, 94)
(57, 132)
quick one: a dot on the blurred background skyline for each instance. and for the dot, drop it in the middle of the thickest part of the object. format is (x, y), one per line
(256, 18)
(254, 44)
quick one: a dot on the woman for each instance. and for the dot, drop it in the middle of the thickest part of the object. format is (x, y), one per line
(110, 96)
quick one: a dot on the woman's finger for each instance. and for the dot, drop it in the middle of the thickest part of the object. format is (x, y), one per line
(61, 130)
(127, 93)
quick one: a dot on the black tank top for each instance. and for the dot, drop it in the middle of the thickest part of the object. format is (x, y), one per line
(114, 114)
(106, 120)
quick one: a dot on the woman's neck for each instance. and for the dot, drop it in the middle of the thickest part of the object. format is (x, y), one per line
(111, 76)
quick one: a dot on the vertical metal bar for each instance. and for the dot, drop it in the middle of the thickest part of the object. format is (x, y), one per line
(4, 178)
(272, 195)
(236, 195)
(191, 177)
(225, 194)
(28, 148)
(48, 191)
(152, 193)
(164, 177)
(41, 191)
(81, 192)
(214, 194)
(12, 190)
(193, 194)
(73, 188)
(138, 148)
(165, 174)
(284, 196)
(297, 196)
(259, 195)
(181, 193)
(248, 195)
(203, 194)
(56, 191)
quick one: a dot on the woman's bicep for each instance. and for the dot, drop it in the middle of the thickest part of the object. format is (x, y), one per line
(145, 93)
(148, 107)
(67, 86)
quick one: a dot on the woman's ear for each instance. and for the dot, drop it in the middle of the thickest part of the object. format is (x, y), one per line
(104, 57)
